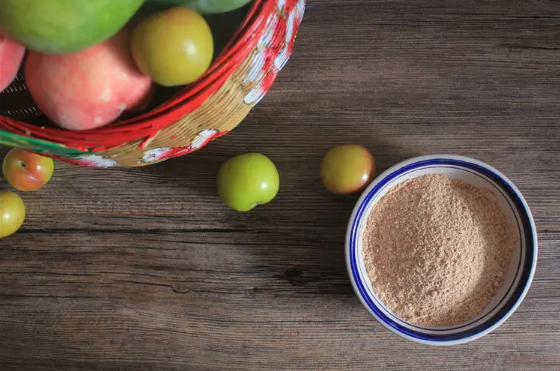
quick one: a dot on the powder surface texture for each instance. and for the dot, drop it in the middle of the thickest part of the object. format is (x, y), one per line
(437, 249)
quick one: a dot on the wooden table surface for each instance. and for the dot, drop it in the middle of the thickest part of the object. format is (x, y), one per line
(145, 269)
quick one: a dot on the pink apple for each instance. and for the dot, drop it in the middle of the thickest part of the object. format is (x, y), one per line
(11, 55)
(90, 88)
(27, 171)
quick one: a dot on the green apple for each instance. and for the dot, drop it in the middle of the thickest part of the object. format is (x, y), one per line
(248, 180)
(64, 26)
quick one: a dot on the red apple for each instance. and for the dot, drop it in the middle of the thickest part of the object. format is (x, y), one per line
(27, 171)
(11, 54)
(90, 88)
(12, 213)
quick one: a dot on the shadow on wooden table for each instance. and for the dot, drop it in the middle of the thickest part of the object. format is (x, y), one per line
(297, 241)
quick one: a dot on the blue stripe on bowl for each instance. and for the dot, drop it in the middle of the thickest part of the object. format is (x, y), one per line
(517, 271)
(489, 322)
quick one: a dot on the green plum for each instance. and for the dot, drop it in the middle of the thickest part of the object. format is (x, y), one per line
(347, 169)
(12, 213)
(248, 180)
(174, 47)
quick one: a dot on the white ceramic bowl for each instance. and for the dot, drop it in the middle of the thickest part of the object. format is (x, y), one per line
(520, 272)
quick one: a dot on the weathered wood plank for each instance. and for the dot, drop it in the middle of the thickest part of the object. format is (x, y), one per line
(145, 269)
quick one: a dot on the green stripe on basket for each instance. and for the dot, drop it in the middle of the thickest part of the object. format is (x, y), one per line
(37, 145)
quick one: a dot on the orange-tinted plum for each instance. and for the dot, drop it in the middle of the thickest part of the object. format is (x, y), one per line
(347, 169)
(27, 171)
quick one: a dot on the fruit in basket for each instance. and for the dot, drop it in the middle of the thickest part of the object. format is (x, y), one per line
(12, 213)
(27, 171)
(175, 47)
(207, 6)
(64, 26)
(88, 89)
(248, 180)
(347, 169)
(11, 55)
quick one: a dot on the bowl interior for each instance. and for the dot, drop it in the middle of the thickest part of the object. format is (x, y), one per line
(506, 297)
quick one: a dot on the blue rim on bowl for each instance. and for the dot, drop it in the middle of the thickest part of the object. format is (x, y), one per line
(514, 294)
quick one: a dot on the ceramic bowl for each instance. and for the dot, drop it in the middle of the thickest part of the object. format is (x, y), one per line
(520, 272)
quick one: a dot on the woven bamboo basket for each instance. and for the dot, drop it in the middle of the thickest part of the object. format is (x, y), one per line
(212, 106)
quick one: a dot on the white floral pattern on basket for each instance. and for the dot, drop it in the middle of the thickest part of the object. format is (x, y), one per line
(270, 59)
(200, 141)
(92, 161)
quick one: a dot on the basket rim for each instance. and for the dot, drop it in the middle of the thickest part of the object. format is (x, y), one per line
(187, 100)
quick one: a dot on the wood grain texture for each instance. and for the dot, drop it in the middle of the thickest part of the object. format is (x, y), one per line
(145, 269)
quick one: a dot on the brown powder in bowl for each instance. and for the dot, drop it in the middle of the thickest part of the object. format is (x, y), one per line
(437, 249)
